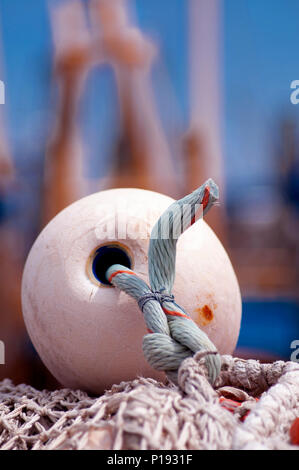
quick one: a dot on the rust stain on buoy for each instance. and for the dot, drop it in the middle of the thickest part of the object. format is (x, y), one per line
(204, 315)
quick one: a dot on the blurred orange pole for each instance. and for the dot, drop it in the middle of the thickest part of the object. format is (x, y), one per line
(203, 148)
(63, 166)
(149, 164)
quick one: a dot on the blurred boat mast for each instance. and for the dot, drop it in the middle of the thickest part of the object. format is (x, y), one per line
(143, 158)
(202, 143)
(63, 180)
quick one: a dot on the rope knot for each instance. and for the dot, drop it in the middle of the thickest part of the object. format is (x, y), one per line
(159, 296)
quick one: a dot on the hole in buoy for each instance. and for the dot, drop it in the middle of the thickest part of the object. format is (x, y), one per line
(104, 257)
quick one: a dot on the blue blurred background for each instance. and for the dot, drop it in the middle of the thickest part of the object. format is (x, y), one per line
(253, 45)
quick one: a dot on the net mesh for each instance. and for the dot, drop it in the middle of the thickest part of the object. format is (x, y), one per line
(145, 414)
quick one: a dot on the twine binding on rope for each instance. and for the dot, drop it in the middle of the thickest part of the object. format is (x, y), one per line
(158, 296)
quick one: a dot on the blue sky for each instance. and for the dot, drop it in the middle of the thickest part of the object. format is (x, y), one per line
(260, 59)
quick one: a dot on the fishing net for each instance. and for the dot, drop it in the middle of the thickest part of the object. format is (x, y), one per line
(251, 406)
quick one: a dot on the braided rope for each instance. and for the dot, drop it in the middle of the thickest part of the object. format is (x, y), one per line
(172, 334)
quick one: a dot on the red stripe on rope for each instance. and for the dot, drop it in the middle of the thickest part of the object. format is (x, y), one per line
(204, 202)
(206, 196)
(121, 272)
(175, 314)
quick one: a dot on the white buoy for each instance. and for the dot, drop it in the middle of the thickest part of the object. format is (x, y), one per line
(88, 333)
